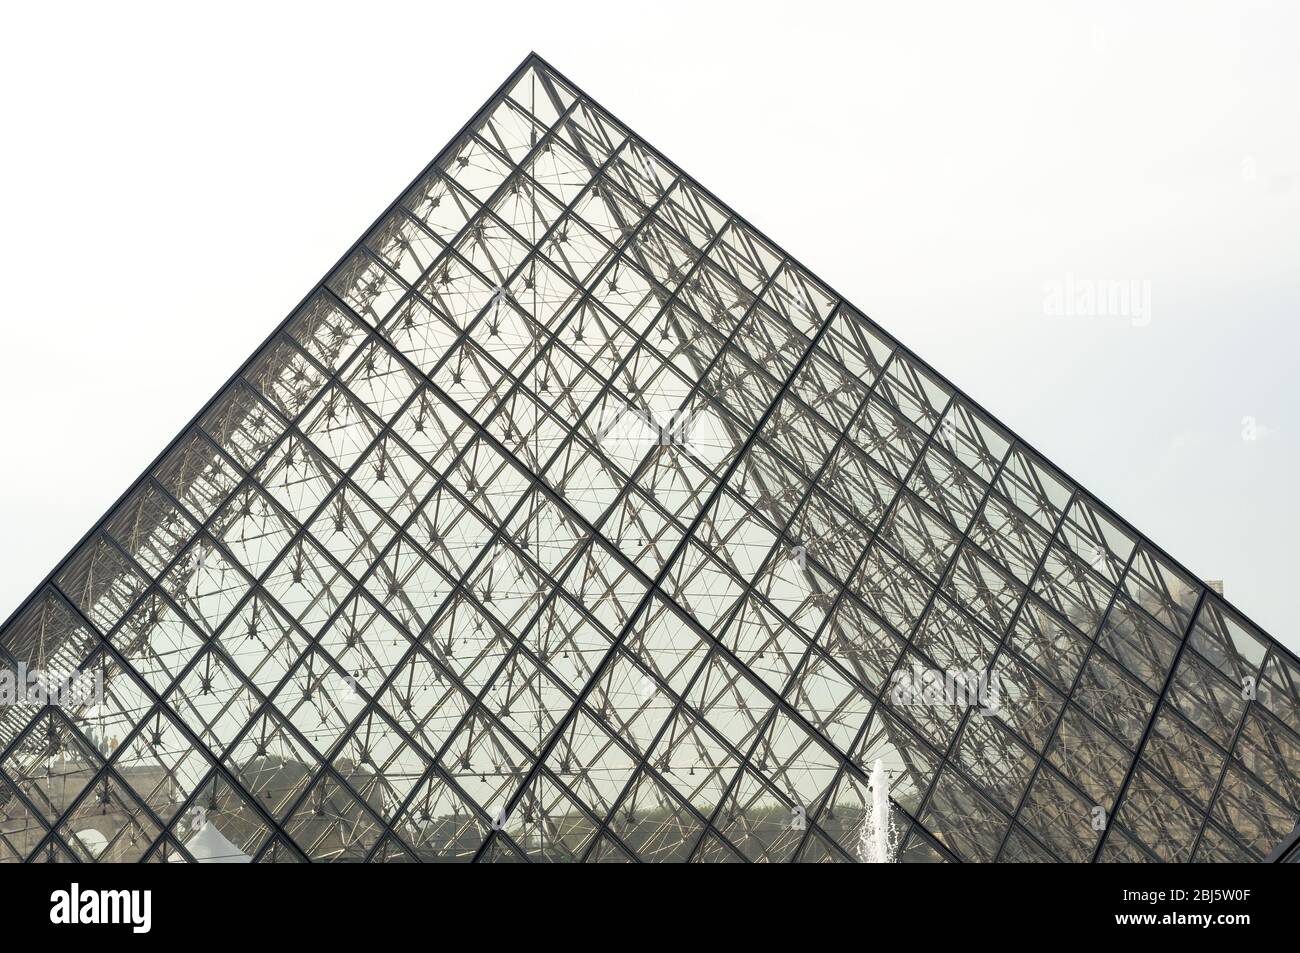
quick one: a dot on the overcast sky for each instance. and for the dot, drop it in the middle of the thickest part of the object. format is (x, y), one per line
(172, 182)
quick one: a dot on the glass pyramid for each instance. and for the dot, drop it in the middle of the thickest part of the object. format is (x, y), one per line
(568, 519)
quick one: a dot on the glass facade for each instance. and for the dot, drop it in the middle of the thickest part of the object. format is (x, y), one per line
(569, 518)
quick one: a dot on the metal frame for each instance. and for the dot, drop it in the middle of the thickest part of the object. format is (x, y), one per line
(438, 575)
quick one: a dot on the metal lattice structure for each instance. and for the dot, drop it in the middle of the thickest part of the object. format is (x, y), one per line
(569, 518)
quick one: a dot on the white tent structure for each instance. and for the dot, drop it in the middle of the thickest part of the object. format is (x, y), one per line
(210, 846)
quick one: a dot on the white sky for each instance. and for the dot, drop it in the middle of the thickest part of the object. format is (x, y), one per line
(173, 180)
